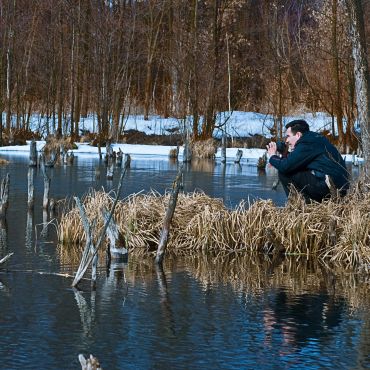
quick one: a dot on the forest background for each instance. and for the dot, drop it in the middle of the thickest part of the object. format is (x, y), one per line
(66, 59)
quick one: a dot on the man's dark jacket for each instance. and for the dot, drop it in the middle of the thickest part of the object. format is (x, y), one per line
(314, 152)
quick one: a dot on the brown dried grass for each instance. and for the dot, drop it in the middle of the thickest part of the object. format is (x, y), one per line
(204, 224)
(54, 144)
(204, 148)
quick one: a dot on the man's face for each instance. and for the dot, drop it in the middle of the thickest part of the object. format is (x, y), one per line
(291, 138)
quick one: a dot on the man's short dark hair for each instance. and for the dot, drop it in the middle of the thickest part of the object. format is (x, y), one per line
(298, 125)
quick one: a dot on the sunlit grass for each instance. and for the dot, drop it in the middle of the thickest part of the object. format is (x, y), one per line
(204, 224)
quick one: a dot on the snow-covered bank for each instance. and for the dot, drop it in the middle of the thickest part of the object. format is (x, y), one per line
(136, 150)
(237, 123)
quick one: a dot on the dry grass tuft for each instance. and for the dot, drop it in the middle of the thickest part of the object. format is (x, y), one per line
(174, 152)
(337, 231)
(204, 149)
(53, 145)
(3, 161)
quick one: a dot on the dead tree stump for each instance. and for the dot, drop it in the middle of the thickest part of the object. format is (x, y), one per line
(31, 188)
(238, 156)
(223, 148)
(4, 195)
(33, 154)
(45, 201)
(187, 154)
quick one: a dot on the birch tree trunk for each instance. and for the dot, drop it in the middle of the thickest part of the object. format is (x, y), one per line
(362, 82)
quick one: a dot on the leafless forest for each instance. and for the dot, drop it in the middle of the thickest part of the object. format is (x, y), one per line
(65, 59)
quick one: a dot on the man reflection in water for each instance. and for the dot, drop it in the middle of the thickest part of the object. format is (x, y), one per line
(294, 322)
(313, 165)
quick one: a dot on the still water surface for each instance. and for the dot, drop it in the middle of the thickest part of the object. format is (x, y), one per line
(199, 312)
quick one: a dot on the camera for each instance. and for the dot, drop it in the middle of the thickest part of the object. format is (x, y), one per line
(281, 147)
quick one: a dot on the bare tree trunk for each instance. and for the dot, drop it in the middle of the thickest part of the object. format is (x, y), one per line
(361, 77)
(338, 110)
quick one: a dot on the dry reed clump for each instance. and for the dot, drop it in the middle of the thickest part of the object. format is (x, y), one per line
(334, 230)
(204, 148)
(3, 161)
(54, 144)
(173, 153)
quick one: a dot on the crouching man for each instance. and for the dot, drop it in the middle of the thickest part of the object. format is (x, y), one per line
(313, 165)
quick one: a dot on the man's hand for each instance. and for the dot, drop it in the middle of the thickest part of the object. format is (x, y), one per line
(271, 148)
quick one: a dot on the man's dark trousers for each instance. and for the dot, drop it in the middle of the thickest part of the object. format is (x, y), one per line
(309, 185)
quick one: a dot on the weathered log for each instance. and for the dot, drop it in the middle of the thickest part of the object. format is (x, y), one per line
(4, 195)
(168, 217)
(45, 202)
(33, 154)
(31, 188)
(117, 248)
(119, 158)
(223, 148)
(127, 161)
(238, 156)
(91, 363)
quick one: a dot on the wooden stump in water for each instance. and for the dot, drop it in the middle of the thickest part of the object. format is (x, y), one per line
(4, 195)
(116, 247)
(238, 156)
(187, 154)
(223, 148)
(119, 158)
(127, 161)
(90, 363)
(31, 188)
(45, 201)
(33, 154)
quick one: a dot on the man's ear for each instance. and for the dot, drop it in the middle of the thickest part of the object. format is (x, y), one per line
(299, 134)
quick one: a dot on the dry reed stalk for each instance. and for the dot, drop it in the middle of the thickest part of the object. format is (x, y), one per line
(204, 224)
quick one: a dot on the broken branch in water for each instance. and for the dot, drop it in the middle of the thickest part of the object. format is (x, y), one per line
(90, 250)
(3, 260)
